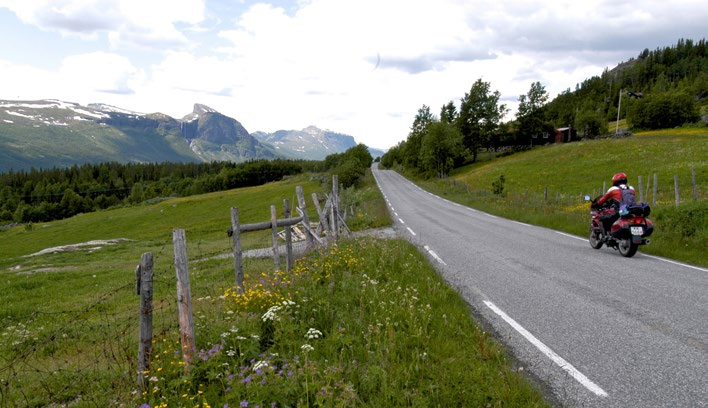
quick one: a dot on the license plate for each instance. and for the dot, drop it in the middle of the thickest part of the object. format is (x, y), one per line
(636, 230)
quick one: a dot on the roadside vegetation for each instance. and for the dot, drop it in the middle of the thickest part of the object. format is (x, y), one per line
(364, 322)
(545, 186)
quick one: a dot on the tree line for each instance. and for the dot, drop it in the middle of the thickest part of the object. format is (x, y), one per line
(40, 195)
(659, 89)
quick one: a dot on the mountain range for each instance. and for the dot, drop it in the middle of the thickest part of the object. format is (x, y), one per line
(53, 133)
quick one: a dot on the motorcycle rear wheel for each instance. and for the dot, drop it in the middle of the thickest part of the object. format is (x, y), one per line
(627, 248)
(595, 241)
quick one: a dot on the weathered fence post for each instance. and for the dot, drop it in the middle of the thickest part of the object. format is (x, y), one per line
(274, 229)
(288, 239)
(324, 223)
(335, 207)
(693, 182)
(676, 189)
(238, 253)
(184, 297)
(144, 289)
(656, 189)
(305, 218)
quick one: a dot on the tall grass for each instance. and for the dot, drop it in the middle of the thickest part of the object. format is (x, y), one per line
(545, 186)
(344, 329)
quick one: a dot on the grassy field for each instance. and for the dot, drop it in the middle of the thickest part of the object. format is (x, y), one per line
(362, 323)
(545, 186)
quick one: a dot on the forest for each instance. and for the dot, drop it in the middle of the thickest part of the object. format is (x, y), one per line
(659, 89)
(41, 195)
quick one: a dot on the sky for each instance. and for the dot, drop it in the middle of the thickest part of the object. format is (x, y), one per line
(358, 67)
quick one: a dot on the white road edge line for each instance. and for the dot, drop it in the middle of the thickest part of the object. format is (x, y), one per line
(411, 231)
(434, 255)
(570, 236)
(676, 263)
(579, 377)
(401, 221)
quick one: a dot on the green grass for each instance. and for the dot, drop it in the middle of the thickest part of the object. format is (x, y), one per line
(545, 186)
(392, 332)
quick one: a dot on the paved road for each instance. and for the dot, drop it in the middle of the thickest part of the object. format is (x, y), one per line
(598, 329)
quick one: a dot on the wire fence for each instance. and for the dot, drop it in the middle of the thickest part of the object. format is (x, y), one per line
(85, 354)
(655, 189)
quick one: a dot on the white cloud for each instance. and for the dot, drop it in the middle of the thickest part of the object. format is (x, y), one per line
(359, 67)
(100, 72)
(126, 22)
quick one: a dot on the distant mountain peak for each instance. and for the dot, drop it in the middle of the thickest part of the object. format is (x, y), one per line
(199, 109)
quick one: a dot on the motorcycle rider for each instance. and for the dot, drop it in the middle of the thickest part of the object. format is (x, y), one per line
(619, 193)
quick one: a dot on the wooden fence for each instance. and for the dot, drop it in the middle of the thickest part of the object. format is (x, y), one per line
(330, 223)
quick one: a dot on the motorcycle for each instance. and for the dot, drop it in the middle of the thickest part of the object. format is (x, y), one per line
(630, 229)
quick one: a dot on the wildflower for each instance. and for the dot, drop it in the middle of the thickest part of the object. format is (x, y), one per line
(153, 379)
(244, 403)
(313, 334)
(260, 365)
(307, 348)
(271, 314)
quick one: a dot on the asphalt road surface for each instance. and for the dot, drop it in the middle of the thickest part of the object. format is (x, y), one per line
(597, 329)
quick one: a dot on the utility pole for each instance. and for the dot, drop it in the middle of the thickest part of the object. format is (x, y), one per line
(619, 104)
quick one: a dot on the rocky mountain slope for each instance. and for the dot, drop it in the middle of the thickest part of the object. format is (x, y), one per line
(52, 133)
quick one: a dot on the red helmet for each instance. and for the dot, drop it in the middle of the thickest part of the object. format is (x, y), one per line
(619, 178)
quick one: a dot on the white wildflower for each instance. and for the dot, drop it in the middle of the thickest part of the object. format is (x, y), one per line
(313, 333)
(271, 314)
(260, 365)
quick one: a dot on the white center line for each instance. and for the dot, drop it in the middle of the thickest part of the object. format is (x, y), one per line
(579, 377)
